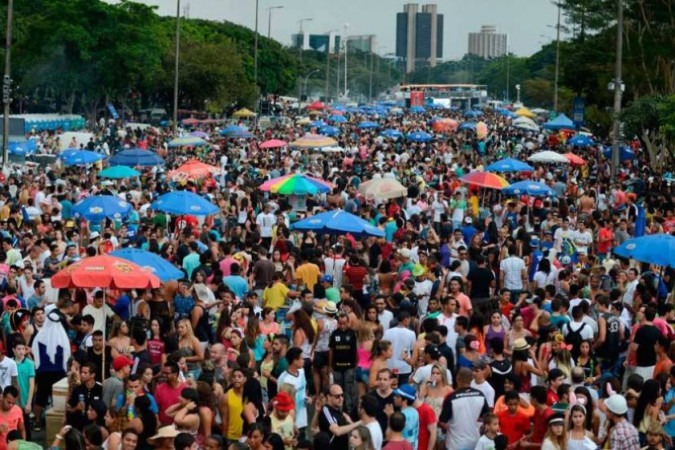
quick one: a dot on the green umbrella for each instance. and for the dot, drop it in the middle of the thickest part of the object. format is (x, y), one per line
(119, 172)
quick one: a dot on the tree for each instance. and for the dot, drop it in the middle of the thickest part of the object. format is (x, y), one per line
(652, 119)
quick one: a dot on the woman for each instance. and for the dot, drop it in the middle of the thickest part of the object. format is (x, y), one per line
(206, 407)
(303, 338)
(518, 331)
(353, 311)
(546, 274)
(477, 328)
(436, 389)
(359, 439)
(561, 357)
(254, 339)
(185, 413)
(588, 362)
(525, 365)
(125, 440)
(555, 438)
(145, 422)
(592, 414)
(119, 341)
(237, 346)
(168, 252)
(278, 263)
(494, 330)
(190, 348)
(578, 437)
(648, 408)
(373, 322)
(273, 442)
(379, 357)
(386, 278)
(156, 345)
(255, 437)
(364, 348)
(268, 326)
(471, 354)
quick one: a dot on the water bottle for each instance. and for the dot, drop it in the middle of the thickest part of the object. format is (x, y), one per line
(81, 399)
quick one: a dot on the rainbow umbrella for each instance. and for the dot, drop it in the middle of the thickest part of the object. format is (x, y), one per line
(314, 141)
(485, 180)
(296, 184)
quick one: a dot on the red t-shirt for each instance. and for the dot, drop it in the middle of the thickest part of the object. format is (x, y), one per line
(540, 425)
(551, 398)
(427, 417)
(398, 445)
(603, 247)
(156, 349)
(166, 396)
(513, 426)
(356, 274)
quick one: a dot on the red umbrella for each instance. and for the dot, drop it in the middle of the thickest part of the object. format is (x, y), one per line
(574, 159)
(105, 272)
(274, 143)
(316, 105)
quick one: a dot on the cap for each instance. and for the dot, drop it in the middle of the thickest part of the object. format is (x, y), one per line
(404, 252)
(326, 279)
(534, 242)
(418, 270)
(556, 419)
(433, 351)
(94, 235)
(330, 308)
(520, 344)
(283, 401)
(616, 404)
(406, 391)
(120, 362)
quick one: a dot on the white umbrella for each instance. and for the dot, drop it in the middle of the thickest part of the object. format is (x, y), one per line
(522, 120)
(548, 156)
(382, 189)
(527, 127)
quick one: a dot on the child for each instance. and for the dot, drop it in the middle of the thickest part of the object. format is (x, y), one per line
(514, 422)
(487, 440)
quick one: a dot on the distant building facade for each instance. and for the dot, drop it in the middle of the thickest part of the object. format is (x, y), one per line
(488, 43)
(318, 42)
(419, 36)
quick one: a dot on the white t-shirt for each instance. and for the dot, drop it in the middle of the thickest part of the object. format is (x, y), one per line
(438, 208)
(334, 267)
(513, 269)
(375, 434)
(485, 443)
(7, 371)
(583, 239)
(402, 339)
(99, 315)
(542, 279)
(300, 385)
(265, 222)
(586, 332)
(385, 318)
(423, 374)
(487, 390)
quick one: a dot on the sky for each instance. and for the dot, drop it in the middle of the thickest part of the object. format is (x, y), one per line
(529, 24)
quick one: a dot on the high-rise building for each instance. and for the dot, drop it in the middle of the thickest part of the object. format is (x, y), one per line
(488, 43)
(419, 36)
(317, 42)
(365, 43)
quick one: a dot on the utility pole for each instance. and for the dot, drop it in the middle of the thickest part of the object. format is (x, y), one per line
(327, 92)
(255, 63)
(269, 20)
(370, 81)
(508, 75)
(557, 63)
(301, 47)
(618, 86)
(7, 83)
(346, 26)
(175, 79)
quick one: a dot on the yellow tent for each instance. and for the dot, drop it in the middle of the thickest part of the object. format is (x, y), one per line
(524, 112)
(244, 112)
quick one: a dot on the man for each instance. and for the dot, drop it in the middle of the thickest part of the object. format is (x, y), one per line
(263, 271)
(218, 355)
(295, 376)
(334, 421)
(191, 261)
(480, 383)
(642, 346)
(86, 330)
(577, 331)
(383, 314)
(100, 311)
(307, 274)
(274, 296)
(342, 358)
(428, 425)
(513, 273)
(384, 395)
(326, 325)
(480, 284)
(463, 301)
(279, 349)
(447, 319)
(404, 398)
(82, 396)
(167, 393)
(114, 385)
(542, 412)
(26, 378)
(367, 413)
(513, 422)
(236, 282)
(403, 341)
(134, 388)
(11, 416)
(623, 436)
(265, 222)
(461, 412)
(395, 437)
(8, 370)
(325, 289)
(39, 297)
(562, 234)
(96, 356)
(232, 422)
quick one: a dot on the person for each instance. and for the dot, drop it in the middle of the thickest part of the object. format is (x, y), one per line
(368, 414)
(578, 437)
(26, 380)
(403, 342)
(542, 412)
(11, 415)
(360, 439)
(342, 358)
(461, 411)
(395, 439)
(487, 440)
(232, 407)
(404, 398)
(623, 435)
(333, 419)
(164, 437)
(82, 397)
(168, 392)
(294, 376)
(555, 438)
(513, 422)
(428, 428)
(384, 395)
(114, 386)
(280, 421)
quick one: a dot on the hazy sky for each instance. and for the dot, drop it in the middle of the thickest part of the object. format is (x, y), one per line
(528, 23)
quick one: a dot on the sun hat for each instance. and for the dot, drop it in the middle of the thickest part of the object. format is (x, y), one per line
(520, 344)
(418, 270)
(283, 402)
(404, 252)
(330, 308)
(616, 404)
(167, 432)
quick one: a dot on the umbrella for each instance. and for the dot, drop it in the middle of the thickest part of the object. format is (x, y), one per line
(527, 187)
(97, 208)
(417, 109)
(337, 222)
(329, 131)
(318, 124)
(468, 126)
(574, 159)
(74, 157)
(23, 148)
(244, 112)
(317, 105)
(562, 122)
(419, 136)
(509, 165)
(337, 119)
(391, 133)
(187, 141)
(548, 156)
(150, 262)
(231, 129)
(367, 124)
(656, 249)
(382, 189)
(296, 184)
(274, 143)
(540, 111)
(200, 134)
(625, 153)
(580, 140)
(313, 141)
(104, 271)
(473, 113)
(485, 180)
(118, 172)
(135, 157)
(524, 112)
(523, 121)
(184, 202)
(444, 125)
(194, 169)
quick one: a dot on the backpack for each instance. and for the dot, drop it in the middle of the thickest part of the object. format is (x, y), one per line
(574, 338)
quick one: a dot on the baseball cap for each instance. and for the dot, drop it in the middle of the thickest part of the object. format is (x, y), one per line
(616, 404)
(326, 279)
(121, 362)
(406, 391)
(94, 235)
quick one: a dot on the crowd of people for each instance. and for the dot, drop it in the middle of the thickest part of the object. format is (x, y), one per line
(478, 321)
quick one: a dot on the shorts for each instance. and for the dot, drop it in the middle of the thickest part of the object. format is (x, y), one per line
(320, 360)
(362, 375)
(44, 382)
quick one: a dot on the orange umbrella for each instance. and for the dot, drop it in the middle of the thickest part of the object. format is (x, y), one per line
(444, 125)
(193, 169)
(574, 159)
(104, 272)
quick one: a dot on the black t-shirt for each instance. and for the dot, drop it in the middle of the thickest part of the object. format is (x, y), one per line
(374, 253)
(343, 346)
(329, 416)
(381, 417)
(480, 278)
(98, 360)
(500, 370)
(646, 336)
(79, 419)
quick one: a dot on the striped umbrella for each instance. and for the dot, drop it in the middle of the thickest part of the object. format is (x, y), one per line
(485, 180)
(314, 141)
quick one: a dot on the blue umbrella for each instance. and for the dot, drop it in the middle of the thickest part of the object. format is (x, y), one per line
(184, 202)
(337, 119)
(337, 222)
(318, 124)
(329, 131)
(417, 109)
(339, 108)
(473, 113)
(241, 134)
(509, 165)
(580, 140)
(136, 157)
(468, 126)
(391, 133)
(436, 106)
(200, 134)
(118, 172)
(653, 249)
(368, 125)
(230, 129)
(625, 153)
(75, 157)
(527, 187)
(154, 263)
(419, 136)
(97, 208)
(22, 148)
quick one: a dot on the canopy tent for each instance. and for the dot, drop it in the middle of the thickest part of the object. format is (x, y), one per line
(244, 113)
(562, 122)
(524, 112)
(314, 141)
(548, 156)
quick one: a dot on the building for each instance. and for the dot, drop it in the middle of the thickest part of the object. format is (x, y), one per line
(488, 43)
(364, 43)
(317, 42)
(419, 36)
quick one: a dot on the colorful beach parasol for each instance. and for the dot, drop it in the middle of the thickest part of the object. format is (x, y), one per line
(296, 184)
(104, 272)
(485, 180)
(314, 141)
(194, 169)
(274, 143)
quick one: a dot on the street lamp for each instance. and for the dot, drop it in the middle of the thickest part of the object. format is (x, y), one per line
(304, 90)
(557, 62)
(301, 47)
(269, 19)
(618, 89)
(175, 80)
(346, 39)
(255, 59)
(327, 93)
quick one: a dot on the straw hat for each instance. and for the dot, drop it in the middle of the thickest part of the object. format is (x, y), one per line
(520, 344)
(168, 431)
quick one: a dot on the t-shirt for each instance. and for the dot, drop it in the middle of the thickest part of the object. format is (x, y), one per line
(376, 434)
(382, 402)
(275, 295)
(480, 278)
(461, 411)
(514, 426)
(343, 345)
(166, 396)
(412, 426)
(309, 274)
(26, 371)
(540, 425)
(7, 371)
(12, 419)
(298, 382)
(485, 443)
(427, 417)
(398, 445)
(402, 339)
(646, 336)
(328, 417)
(487, 390)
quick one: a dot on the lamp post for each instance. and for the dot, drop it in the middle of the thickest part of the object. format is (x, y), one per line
(301, 47)
(618, 89)
(269, 20)
(304, 90)
(6, 83)
(327, 92)
(346, 39)
(557, 63)
(255, 61)
(177, 60)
